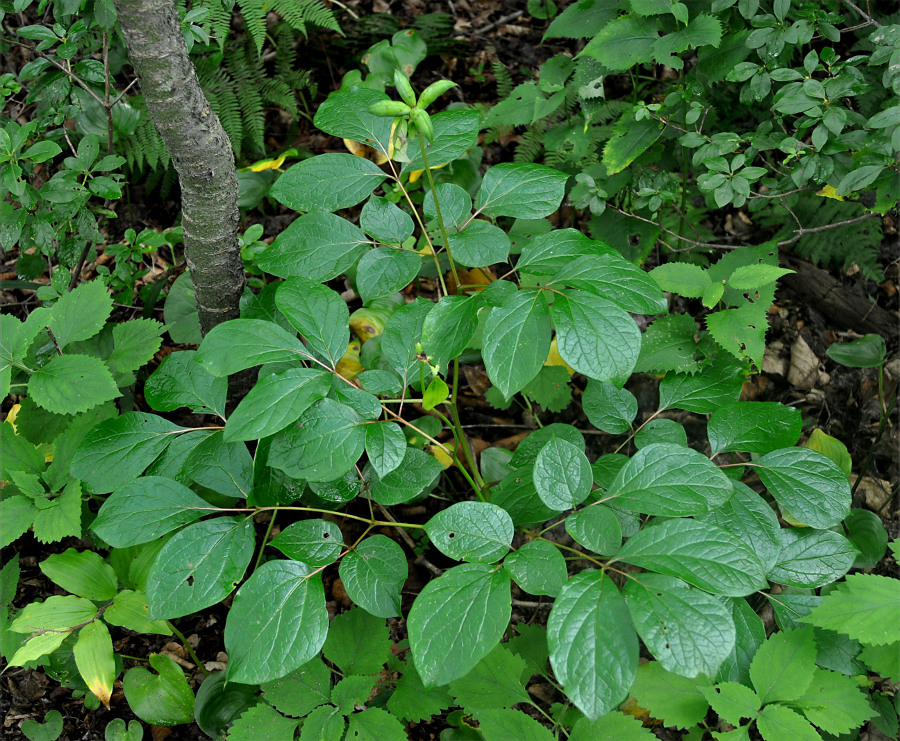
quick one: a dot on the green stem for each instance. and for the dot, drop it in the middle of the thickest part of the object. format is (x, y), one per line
(190, 649)
(461, 435)
(265, 540)
(437, 208)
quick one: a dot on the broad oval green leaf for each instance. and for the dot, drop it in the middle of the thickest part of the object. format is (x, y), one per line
(562, 475)
(472, 531)
(457, 619)
(401, 333)
(807, 485)
(328, 182)
(449, 327)
(538, 568)
(277, 623)
(93, 652)
(597, 528)
(479, 245)
(593, 646)
(82, 573)
(345, 114)
(521, 191)
(224, 467)
(456, 204)
(595, 336)
(712, 387)
(276, 401)
(80, 313)
(319, 246)
(608, 408)
(417, 474)
(455, 132)
(56, 613)
(386, 270)
(373, 574)
(516, 340)
(319, 314)
(385, 447)
(699, 553)
(749, 636)
(314, 542)
(630, 139)
(326, 442)
(385, 221)
(667, 479)
(688, 631)
(242, 343)
(161, 699)
(199, 566)
(812, 558)
(70, 384)
(753, 427)
(181, 382)
(117, 450)
(867, 351)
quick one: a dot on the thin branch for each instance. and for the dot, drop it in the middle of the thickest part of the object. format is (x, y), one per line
(869, 19)
(798, 233)
(499, 22)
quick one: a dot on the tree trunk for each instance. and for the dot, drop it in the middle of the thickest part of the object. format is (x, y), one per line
(200, 151)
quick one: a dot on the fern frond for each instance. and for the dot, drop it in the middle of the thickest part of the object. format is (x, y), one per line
(504, 79)
(529, 148)
(300, 12)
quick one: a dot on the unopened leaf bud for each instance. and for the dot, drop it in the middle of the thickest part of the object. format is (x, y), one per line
(434, 91)
(401, 82)
(389, 108)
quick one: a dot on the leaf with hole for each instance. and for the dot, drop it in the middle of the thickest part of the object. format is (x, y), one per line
(478, 532)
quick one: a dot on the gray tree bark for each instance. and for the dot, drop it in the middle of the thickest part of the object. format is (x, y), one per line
(200, 151)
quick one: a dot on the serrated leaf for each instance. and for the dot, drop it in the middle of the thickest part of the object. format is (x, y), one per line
(741, 331)
(327, 440)
(676, 700)
(277, 623)
(511, 725)
(262, 721)
(614, 725)
(668, 345)
(375, 724)
(386, 270)
(119, 449)
(314, 542)
(562, 475)
(478, 532)
(319, 246)
(351, 691)
(495, 682)
(457, 619)
(783, 668)
(593, 646)
(358, 643)
(624, 42)
(704, 392)
(808, 486)
(581, 20)
(276, 401)
(688, 631)
(864, 606)
(701, 30)
(412, 701)
(596, 528)
(162, 699)
(93, 653)
(683, 278)
(301, 691)
(516, 340)
(82, 573)
(701, 554)
(732, 701)
(595, 336)
(538, 568)
(373, 574)
(328, 182)
(753, 427)
(60, 517)
(812, 558)
(80, 313)
(199, 566)
(776, 722)
(70, 384)
(834, 703)
(16, 515)
(319, 314)
(550, 388)
(181, 382)
(242, 343)
(667, 479)
(325, 723)
(417, 473)
(134, 343)
(630, 139)
(520, 190)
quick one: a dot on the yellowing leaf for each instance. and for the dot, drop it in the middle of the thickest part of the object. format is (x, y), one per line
(829, 191)
(440, 454)
(554, 358)
(11, 416)
(349, 366)
(365, 151)
(271, 164)
(94, 659)
(416, 174)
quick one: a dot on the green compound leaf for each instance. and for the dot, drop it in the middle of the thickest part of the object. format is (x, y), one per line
(416, 475)
(161, 699)
(181, 382)
(668, 345)
(753, 427)
(613, 725)
(834, 703)
(383, 220)
(511, 725)
(732, 701)
(495, 682)
(521, 191)
(741, 331)
(80, 313)
(783, 668)
(373, 574)
(70, 384)
(676, 700)
(346, 114)
(597, 528)
(325, 443)
(277, 623)
(358, 642)
(262, 721)
(314, 542)
(457, 619)
(328, 182)
(538, 568)
(319, 246)
(83, 573)
(701, 554)
(276, 401)
(703, 392)
(325, 723)
(478, 532)
(595, 336)
(317, 313)
(667, 479)
(688, 631)
(749, 517)
(865, 607)
(776, 722)
(812, 558)
(516, 340)
(608, 408)
(455, 132)
(386, 270)
(301, 691)
(375, 724)
(807, 485)
(199, 566)
(242, 343)
(412, 701)
(385, 447)
(593, 646)
(562, 475)
(119, 449)
(479, 245)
